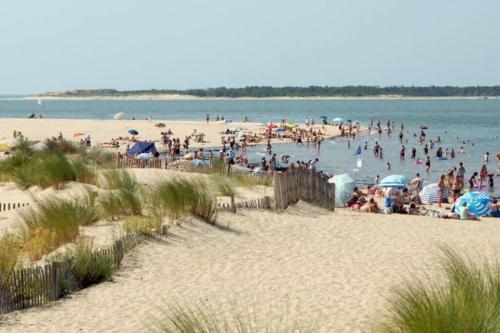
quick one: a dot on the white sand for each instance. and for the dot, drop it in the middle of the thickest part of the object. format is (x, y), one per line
(332, 269)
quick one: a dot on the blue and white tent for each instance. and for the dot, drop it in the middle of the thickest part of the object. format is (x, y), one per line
(430, 193)
(478, 203)
(344, 185)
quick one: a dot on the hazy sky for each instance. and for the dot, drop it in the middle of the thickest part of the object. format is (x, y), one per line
(132, 44)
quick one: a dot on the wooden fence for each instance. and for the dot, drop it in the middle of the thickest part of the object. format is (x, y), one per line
(303, 184)
(35, 286)
(261, 203)
(172, 164)
(6, 206)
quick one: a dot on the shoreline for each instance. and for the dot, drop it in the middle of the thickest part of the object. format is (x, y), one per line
(177, 97)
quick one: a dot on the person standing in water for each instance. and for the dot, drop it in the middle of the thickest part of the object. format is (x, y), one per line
(413, 153)
(427, 164)
(402, 152)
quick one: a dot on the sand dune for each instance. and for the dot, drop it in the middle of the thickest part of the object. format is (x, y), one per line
(330, 269)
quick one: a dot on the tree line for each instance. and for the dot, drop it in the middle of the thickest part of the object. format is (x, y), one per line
(310, 91)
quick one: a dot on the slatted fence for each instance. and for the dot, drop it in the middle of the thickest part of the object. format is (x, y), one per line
(35, 286)
(261, 203)
(303, 184)
(6, 206)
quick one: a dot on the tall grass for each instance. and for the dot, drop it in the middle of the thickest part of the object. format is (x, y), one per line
(125, 199)
(143, 225)
(465, 299)
(224, 186)
(90, 267)
(203, 319)
(53, 222)
(180, 197)
(10, 247)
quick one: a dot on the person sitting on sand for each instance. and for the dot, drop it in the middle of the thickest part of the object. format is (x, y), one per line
(494, 209)
(398, 205)
(370, 207)
(465, 214)
(413, 209)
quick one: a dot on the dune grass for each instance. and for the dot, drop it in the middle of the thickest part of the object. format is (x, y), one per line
(125, 199)
(10, 248)
(143, 225)
(90, 267)
(465, 299)
(180, 197)
(224, 186)
(204, 319)
(53, 222)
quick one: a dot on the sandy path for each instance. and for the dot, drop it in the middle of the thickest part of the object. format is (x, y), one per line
(330, 269)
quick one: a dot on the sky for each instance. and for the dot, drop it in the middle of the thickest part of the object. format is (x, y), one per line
(165, 44)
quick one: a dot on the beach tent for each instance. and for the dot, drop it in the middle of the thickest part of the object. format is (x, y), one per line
(142, 147)
(394, 181)
(344, 185)
(430, 193)
(119, 116)
(478, 203)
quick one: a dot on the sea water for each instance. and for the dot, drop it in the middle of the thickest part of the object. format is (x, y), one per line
(477, 122)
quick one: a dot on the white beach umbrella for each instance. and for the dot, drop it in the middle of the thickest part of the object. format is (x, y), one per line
(119, 116)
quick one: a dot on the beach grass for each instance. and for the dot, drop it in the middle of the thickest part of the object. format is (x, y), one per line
(125, 197)
(240, 179)
(181, 197)
(143, 225)
(205, 319)
(89, 268)
(53, 222)
(465, 299)
(224, 186)
(10, 248)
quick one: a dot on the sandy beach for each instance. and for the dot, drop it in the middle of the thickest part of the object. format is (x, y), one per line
(332, 270)
(101, 131)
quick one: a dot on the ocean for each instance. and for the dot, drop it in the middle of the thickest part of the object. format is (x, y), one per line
(473, 121)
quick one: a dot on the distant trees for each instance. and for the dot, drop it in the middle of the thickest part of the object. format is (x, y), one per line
(311, 91)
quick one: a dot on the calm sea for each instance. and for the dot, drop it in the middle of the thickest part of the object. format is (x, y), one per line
(475, 121)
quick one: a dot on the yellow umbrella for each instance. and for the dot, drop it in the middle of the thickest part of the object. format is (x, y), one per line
(4, 147)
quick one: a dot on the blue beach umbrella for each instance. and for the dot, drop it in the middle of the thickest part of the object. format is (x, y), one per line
(430, 193)
(344, 185)
(133, 132)
(478, 203)
(394, 181)
(338, 120)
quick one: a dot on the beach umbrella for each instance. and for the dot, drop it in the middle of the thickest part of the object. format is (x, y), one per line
(478, 203)
(338, 120)
(75, 134)
(4, 147)
(394, 181)
(344, 185)
(119, 116)
(430, 193)
(133, 132)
